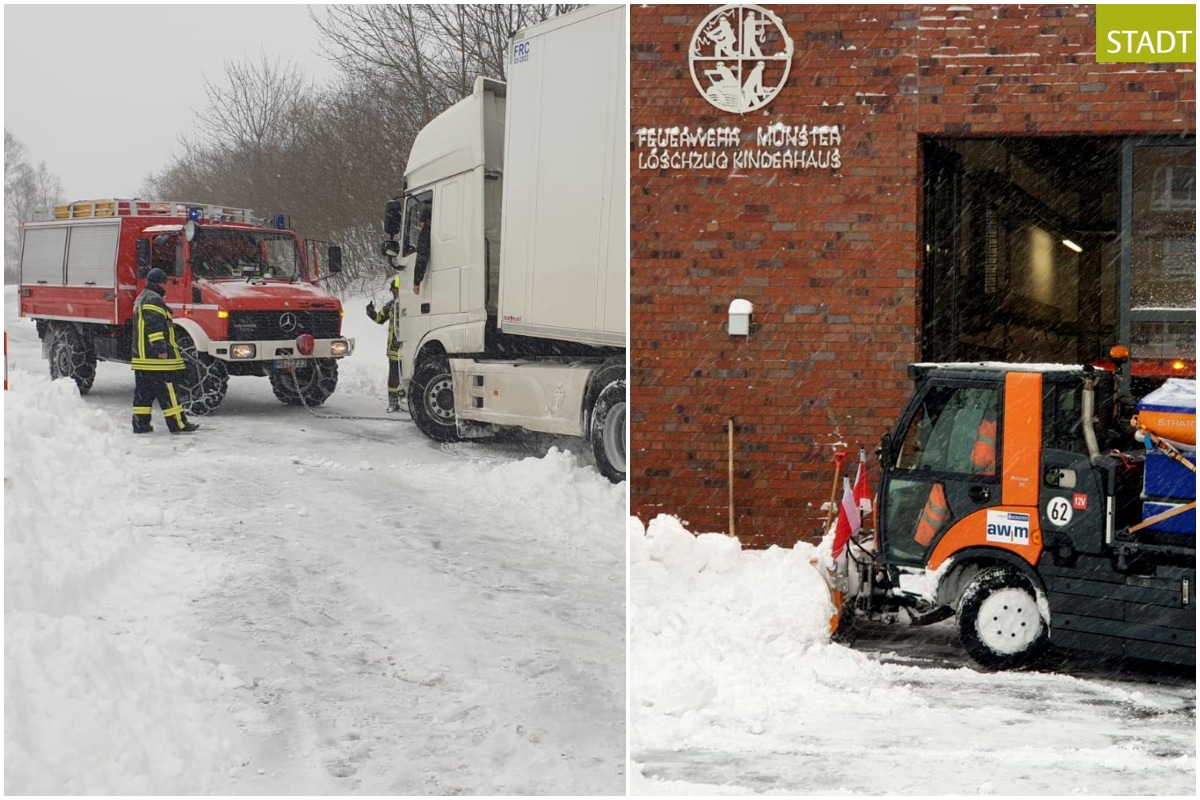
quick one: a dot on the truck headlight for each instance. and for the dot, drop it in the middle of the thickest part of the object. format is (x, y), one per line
(242, 351)
(339, 348)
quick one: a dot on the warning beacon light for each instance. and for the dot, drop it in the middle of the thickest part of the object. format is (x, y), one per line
(194, 214)
(281, 222)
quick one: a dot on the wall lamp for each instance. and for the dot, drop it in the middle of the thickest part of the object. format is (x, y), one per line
(741, 318)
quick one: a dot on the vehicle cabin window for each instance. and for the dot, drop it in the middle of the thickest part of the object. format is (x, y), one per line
(166, 253)
(414, 205)
(954, 431)
(1061, 429)
(1062, 403)
(222, 254)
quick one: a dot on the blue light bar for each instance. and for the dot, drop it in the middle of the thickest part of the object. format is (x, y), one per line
(281, 222)
(194, 214)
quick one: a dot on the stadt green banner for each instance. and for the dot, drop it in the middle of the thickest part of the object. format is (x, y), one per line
(1142, 33)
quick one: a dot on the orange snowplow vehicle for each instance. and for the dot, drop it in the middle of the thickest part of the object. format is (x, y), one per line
(1014, 497)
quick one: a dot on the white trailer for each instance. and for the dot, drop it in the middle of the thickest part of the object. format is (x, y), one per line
(520, 318)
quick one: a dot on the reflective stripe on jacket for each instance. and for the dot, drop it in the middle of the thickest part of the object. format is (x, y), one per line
(933, 516)
(153, 335)
(983, 454)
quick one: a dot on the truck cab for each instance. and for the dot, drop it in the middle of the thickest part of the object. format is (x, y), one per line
(1012, 496)
(452, 184)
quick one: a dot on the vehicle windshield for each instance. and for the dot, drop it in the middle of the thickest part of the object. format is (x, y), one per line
(225, 254)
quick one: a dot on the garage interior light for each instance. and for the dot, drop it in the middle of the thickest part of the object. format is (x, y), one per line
(1072, 245)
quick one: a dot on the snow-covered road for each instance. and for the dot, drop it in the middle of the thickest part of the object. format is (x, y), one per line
(735, 689)
(281, 604)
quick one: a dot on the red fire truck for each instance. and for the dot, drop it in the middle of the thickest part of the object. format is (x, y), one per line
(245, 294)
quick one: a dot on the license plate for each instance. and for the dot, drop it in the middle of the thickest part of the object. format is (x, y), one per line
(289, 363)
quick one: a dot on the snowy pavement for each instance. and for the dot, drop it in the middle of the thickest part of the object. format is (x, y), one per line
(281, 604)
(735, 689)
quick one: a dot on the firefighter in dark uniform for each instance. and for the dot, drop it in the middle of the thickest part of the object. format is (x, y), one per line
(391, 313)
(156, 359)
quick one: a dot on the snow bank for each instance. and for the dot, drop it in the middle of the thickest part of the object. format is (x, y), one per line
(710, 623)
(558, 486)
(98, 697)
(59, 456)
(735, 688)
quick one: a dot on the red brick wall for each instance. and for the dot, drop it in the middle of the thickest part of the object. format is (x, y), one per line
(830, 259)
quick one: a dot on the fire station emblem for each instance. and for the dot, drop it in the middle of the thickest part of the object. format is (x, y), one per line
(740, 57)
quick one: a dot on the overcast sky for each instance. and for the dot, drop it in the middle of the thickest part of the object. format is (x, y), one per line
(102, 93)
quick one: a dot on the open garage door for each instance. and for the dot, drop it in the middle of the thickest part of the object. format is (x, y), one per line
(1052, 249)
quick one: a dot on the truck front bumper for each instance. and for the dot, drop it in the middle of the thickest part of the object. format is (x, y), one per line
(278, 351)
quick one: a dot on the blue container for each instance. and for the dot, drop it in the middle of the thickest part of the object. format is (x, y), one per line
(1167, 479)
(1184, 524)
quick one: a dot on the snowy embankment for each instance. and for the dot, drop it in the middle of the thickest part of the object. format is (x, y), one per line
(294, 603)
(736, 688)
(93, 703)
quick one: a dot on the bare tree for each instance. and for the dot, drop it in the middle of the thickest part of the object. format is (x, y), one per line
(25, 188)
(253, 117)
(269, 141)
(425, 57)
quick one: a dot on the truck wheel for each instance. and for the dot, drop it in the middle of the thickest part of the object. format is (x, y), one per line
(311, 386)
(999, 622)
(608, 430)
(204, 381)
(431, 400)
(71, 357)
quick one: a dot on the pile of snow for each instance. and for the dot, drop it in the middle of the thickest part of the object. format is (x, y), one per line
(712, 627)
(735, 688)
(97, 698)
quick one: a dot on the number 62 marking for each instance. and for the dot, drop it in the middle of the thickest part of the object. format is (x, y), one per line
(1059, 511)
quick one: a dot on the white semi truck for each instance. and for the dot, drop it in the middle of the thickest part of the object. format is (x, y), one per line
(518, 318)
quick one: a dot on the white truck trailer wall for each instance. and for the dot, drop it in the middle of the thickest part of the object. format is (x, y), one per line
(562, 261)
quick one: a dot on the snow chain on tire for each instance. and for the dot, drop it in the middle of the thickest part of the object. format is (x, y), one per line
(311, 410)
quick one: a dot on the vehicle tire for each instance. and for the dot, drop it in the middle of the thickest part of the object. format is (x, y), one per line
(999, 621)
(71, 356)
(310, 386)
(204, 381)
(431, 400)
(608, 431)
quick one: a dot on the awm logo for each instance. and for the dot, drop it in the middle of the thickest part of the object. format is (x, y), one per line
(1008, 527)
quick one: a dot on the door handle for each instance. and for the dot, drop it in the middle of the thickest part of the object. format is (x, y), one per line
(979, 494)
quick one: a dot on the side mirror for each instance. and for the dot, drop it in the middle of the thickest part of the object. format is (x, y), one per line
(392, 213)
(390, 248)
(189, 230)
(334, 259)
(143, 256)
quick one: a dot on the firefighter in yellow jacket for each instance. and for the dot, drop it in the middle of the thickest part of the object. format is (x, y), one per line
(156, 359)
(390, 313)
